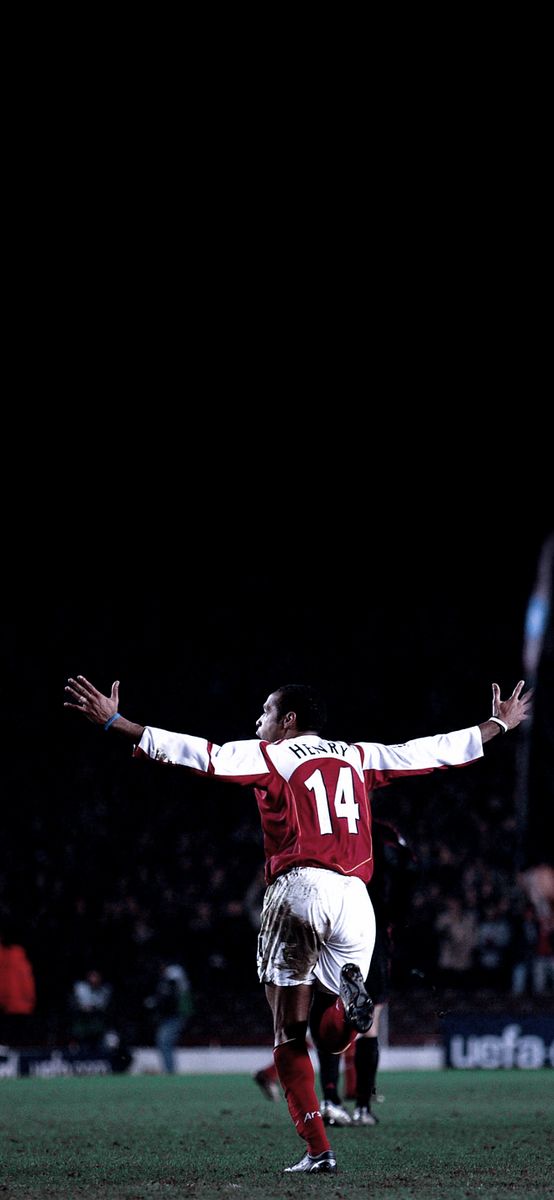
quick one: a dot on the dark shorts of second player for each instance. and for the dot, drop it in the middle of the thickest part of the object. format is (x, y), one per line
(377, 982)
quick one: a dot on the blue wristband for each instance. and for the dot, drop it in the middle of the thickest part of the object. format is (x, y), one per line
(111, 720)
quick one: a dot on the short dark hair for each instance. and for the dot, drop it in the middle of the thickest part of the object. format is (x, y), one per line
(302, 699)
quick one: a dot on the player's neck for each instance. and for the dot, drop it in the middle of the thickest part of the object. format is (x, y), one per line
(296, 733)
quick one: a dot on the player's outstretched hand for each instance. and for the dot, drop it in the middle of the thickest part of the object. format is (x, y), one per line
(516, 708)
(86, 699)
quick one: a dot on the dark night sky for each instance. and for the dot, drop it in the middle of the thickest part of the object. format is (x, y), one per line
(182, 614)
(403, 633)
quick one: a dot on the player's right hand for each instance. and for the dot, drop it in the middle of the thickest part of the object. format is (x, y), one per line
(86, 699)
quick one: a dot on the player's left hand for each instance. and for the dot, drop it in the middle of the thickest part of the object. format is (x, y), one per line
(516, 708)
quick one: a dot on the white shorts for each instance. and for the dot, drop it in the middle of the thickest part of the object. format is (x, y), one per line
(313, 922)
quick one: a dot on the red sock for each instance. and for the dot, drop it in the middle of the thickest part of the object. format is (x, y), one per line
(294, 1068)
(334, 1033)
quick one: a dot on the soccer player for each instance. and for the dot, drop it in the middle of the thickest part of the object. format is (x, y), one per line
(318, 927)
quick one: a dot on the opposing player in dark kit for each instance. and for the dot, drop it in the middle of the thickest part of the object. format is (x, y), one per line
(390, 889)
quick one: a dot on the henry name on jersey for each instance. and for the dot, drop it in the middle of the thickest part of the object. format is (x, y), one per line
(303, 749)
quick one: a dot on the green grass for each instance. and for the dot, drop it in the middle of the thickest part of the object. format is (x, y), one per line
(448, 1135)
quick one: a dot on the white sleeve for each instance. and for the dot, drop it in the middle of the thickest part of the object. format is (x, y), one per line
(242, 762)
(180, 749)
(423, 754)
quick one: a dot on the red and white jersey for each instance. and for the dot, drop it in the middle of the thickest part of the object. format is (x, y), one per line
(312, 792)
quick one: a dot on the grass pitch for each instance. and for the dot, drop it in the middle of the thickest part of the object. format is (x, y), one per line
(453, 1135)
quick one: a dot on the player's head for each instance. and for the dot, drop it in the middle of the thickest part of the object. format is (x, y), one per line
(291, 709)
(94, 977)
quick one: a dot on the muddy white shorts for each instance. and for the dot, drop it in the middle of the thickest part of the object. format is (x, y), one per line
(313, 922)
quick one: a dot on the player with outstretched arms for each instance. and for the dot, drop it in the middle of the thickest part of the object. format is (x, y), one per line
(318, 928)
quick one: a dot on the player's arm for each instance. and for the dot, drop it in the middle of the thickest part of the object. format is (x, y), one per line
(422, 755)
(99, 709)
(239, 762)
(159, 744)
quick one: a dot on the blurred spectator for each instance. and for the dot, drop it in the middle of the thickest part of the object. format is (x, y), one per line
(457, 930)
(493, 941)
(525, 936)
(17, 990)
(171, 1006)
(538, 884)
(543, 966)
(90, 1007)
